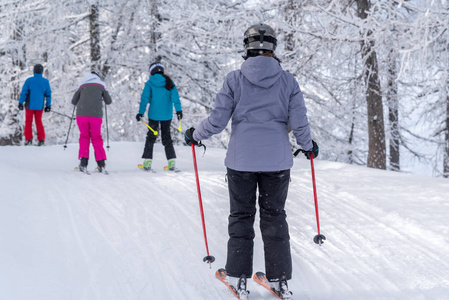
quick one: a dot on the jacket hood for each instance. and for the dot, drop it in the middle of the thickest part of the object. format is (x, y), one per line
(157, 80)
(92, 78)
(261, 71)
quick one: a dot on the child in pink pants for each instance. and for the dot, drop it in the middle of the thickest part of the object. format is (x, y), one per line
(89, 100)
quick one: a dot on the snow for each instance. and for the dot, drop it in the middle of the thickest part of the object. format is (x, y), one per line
(136, 235)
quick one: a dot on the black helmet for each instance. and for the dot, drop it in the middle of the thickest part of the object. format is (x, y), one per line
(38, 69)
(156, 67)
(260, 37)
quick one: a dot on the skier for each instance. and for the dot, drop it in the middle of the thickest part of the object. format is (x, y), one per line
(161, 93)
(89, 100)
(34, 91)
(263, 101)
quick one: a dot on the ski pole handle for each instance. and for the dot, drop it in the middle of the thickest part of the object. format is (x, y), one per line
(180, 128)
(154, 131)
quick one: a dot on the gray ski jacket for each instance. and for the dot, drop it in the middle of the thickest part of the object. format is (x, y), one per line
(262, 100)
(90, 96)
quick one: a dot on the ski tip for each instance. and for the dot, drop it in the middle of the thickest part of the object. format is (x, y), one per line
(77, 169)
(104, 172)
(259, 276)
(176, 170)
(140, 166)
(220, 273)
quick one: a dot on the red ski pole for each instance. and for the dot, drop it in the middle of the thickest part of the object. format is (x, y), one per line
(319, 238)
(209, 259)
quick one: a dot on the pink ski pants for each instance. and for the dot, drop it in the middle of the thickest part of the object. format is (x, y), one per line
(90, 130)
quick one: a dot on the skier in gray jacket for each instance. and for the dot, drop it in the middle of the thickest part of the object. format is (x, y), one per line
(89, 100)
(262, 101)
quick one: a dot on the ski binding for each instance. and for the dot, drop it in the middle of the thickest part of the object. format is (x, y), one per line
(260, 278)
(241, 295)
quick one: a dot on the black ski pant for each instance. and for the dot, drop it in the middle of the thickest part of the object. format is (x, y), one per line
(273, 189)
(166, 139)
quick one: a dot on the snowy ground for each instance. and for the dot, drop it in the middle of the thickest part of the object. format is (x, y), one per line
(135, 235)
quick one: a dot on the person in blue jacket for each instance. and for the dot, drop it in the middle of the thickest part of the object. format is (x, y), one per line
(161, 93)
(35, 93)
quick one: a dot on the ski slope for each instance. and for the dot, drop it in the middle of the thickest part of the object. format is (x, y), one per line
(137, 235)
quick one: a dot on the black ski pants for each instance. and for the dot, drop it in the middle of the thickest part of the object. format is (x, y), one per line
(166, 139)
(273, 189)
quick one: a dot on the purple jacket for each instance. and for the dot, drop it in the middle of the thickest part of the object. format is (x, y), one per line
(262, 100)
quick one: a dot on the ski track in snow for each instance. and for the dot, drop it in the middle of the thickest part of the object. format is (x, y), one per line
(138, 235)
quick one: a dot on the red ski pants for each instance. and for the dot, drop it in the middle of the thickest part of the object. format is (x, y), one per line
(28, 131)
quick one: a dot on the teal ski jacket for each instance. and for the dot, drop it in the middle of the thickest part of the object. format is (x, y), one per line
(160, 99)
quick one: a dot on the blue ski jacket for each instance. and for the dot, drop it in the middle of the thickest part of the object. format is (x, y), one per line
(160, 99)
(34, 91)
(262, 100)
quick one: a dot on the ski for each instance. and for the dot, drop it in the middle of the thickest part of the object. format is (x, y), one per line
(140, 166)
(260, 278)
(104, 172)
(176, 170)
(221, 275)
(85, 172)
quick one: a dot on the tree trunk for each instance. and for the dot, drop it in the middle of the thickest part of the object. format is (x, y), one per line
(446, 136)
(95, 50)
(350, 152)
(291, 19)
(393, 114)
(155, 19)
(11, 119)
(376, 128)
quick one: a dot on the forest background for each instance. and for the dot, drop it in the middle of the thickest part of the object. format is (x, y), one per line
(375, 74)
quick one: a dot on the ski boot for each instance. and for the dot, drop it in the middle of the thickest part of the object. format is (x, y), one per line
(281, 288)
(83, 164)
(239, 286)
(41, 143)
(147, 164)
(101, 165)
(171, 165)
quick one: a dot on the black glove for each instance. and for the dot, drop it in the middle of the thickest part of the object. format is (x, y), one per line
(138, 117)
(47, 108)
(20, 106)
(189, 137)
(314, 152)
(179, 114)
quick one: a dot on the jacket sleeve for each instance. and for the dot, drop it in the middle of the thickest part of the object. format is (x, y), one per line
(219, 116)
(48, 95)
(175, 99)
(76, 97)
(297, 116)
(25, 91)
(145, 98)
(106, 97)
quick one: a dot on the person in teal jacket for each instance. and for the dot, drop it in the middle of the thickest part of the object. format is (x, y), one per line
(161, 94)
(35, 93)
